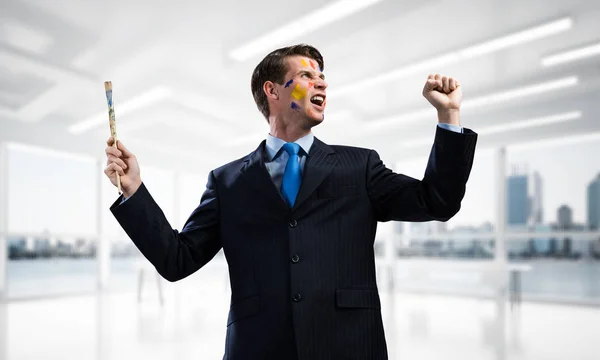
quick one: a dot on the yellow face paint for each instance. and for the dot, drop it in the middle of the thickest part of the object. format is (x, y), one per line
(303, 62)
(298, 92)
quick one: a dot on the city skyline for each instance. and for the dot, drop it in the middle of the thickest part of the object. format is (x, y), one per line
(21, 247)
(565, 169)
(524, 203)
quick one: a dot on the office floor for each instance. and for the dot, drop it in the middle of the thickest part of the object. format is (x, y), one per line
(191, 325)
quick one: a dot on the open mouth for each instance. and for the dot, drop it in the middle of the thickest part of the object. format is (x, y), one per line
(318, 100)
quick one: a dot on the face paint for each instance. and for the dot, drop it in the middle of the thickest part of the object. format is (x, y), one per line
(312, 64)
(295, 106)
(303, 62)
(287, 84)
(298, 92)
(310, 84)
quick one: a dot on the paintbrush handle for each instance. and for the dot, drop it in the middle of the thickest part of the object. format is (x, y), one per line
(113, 126)
(118, 176)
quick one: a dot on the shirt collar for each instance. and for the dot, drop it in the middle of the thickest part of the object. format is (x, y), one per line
(275, 144)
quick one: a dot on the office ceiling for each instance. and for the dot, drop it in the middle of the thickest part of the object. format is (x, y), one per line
(181, 100)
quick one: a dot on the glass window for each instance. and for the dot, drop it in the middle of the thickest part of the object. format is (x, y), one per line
(52, 222)
(552, 194)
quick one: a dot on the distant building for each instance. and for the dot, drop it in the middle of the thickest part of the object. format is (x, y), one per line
(577, 249)
(593, 204)
(41, 245)
(17, 243)
(17, 247)
(595, 249)
(517, 200)
(566, 247)
(63, 248)
(565, 217)
(83, 248)
(524, 198)
(543, 245)
(536, 215)
(124, 249)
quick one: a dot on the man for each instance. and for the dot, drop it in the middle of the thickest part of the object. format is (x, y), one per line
(296, 219)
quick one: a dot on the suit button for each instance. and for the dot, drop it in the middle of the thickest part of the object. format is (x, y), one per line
(297, 297)
(295, 258)
(293, 223)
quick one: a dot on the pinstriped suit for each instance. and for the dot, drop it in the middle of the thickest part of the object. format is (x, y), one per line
(303, 280)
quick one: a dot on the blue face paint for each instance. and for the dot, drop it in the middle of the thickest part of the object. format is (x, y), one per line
(287, 84)
(295, 106)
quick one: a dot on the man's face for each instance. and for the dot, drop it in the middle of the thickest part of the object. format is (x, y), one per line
(303, 91)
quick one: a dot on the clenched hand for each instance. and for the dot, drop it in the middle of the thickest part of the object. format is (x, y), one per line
(445, 94)
(122, 161)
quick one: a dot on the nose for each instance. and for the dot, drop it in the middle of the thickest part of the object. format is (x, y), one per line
(321, 84)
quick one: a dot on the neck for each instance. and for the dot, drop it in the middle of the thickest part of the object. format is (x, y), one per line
(287, 131)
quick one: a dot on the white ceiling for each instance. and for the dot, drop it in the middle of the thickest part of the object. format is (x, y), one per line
(55, 56)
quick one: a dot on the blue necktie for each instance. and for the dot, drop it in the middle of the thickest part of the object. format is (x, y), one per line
(291, 177)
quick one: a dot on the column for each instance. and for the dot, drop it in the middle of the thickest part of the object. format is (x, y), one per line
(103, 250)
(500, 169)
(500, 268)
(3, 220)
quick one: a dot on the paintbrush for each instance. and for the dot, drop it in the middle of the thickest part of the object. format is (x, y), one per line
(113, 126)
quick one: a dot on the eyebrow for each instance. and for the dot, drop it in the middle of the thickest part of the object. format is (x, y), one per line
(321, 75)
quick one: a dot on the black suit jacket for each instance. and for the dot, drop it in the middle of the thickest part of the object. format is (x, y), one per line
(303, 279)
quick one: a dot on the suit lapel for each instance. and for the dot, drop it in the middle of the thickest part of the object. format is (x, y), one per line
(255, 172)
(318, 165)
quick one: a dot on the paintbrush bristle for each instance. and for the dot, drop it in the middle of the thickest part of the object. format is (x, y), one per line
(107, 85)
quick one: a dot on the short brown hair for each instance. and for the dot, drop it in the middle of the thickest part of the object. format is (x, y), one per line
(273, 68)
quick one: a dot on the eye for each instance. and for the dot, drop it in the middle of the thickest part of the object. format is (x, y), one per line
(306, 75)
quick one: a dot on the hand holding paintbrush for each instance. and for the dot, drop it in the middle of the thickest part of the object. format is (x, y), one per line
(121, 167)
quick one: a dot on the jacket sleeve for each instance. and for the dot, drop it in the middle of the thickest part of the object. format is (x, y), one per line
(174, 254)
(438, 195)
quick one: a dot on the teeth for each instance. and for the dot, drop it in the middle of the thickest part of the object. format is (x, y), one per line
(317, 98)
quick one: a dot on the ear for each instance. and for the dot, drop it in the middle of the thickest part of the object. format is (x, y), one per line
(270, 90)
